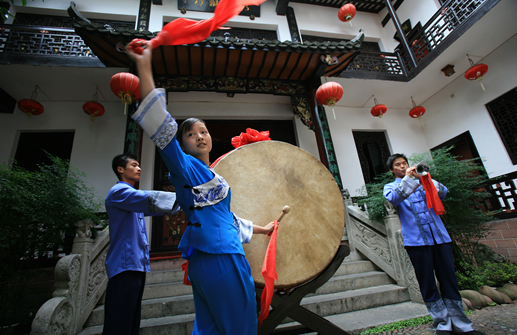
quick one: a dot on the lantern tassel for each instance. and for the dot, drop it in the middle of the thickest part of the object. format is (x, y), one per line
(125, 108)
(334, 113)
(483, 87)
(29, 119)
(421, 123)
(92, 117)
(350, 23)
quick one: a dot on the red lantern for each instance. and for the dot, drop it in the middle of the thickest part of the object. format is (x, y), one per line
(328, 94)
(347, 12)
(30, 107)
(94, 109)
(476, 72)
(379, 109)
(126, 86)
(417, 111)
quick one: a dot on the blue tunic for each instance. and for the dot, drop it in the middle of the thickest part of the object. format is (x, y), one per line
(126, 207)
(420, 226)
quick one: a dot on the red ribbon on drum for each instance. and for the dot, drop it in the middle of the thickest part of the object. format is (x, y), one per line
(269, 271)
(270, 275)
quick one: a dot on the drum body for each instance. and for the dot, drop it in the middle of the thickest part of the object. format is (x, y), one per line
(266, 176)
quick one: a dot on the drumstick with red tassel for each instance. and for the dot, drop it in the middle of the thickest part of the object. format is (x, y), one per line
(269, 271)
(285, 210)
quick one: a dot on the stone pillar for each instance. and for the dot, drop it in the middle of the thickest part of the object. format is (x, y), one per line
(82, 246)
(405, 274)
(347, 232)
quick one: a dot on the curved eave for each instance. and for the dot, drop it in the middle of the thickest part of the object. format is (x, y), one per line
(226, 57)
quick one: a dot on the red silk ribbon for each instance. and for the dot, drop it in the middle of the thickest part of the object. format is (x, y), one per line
(431, 194)
(184, 267)
(186, 31)
(269, 274)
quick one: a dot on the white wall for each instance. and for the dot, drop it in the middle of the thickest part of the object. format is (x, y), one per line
(92, 150)
(460, 106)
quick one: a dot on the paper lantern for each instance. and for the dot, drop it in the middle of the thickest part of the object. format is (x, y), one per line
(328, 94)
(126, 86)
(30, 106)
(476, 72)
(379, 109)
(347, 12)
(417, 111)
(94, 109)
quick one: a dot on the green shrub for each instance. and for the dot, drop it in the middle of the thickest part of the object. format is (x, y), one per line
(489, 274)
(40, 211)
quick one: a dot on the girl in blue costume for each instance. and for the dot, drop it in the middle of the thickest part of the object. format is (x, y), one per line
(224, 291)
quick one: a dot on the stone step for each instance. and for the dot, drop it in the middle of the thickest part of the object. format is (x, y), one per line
(356, 322)
(162, 290)
(151, 308)
(352, 267)
(354, 282)
(168, 305)
(177, 325)
(323, 305)
(349, 301)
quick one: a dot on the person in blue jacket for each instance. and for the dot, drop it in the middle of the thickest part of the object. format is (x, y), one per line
(223, 288)
(428, 245)
(127, 260)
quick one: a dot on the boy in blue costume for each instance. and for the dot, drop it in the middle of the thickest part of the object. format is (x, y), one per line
(224, 291)
(428, 245)
(127, 260)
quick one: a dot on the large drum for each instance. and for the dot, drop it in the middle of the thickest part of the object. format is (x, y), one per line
(266, 176)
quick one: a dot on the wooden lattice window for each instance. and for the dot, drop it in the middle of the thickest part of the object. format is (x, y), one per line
(503, 111)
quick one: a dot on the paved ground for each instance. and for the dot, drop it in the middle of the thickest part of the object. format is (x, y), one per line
(494, 320)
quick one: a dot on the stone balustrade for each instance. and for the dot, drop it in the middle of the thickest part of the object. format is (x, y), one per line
(81, 280)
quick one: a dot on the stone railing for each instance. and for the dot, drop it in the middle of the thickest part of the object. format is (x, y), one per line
(81, 280)
(382, 244)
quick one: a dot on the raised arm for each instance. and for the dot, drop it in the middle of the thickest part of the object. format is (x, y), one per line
(143, 66)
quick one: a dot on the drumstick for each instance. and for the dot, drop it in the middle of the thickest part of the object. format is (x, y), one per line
(285, 210)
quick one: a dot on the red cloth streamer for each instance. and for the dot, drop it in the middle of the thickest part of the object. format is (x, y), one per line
(184, 267)
(186, 31)
(431, 194)
(269, 274)
(250, 136)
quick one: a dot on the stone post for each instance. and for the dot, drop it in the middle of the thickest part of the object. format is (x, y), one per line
(405, 274)
(82, 246)
(347, 232)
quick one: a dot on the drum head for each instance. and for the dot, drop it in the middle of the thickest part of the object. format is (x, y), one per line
(266, 176)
